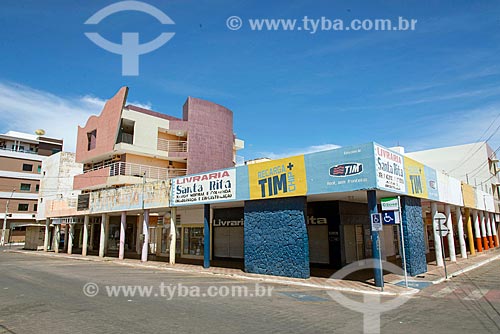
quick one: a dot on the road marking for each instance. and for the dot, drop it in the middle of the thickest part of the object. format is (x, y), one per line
(476, 294)
(443, 292)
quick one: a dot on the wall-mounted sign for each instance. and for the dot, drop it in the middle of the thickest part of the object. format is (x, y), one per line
(389, 204)
(204, 188)
(347, 169)
(376, 222)
(416, 184)
(390, 170)
(278, 178)
(390, 217)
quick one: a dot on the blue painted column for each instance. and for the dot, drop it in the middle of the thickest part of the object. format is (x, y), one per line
(206, 236)
(377, 270)
(414, 235)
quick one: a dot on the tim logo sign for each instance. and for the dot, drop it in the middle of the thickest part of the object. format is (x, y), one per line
(346, 169)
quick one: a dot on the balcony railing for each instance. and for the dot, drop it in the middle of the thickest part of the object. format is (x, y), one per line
(150, 172)
(3, 148)
(172, 145)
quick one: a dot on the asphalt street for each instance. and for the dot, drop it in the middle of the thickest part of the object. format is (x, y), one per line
(40, 294)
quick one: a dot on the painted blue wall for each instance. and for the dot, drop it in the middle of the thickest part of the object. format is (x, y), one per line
(414, 237)
(276, 241)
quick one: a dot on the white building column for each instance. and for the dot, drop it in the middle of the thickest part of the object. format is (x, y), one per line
(437, 239)
(483, 230)
(488, 229)
(461, 235)
(85, 240)
(46, 237)
(451, 236)
(145, 233)
(494, 229)
(103, 237)
(477, 231)
(173, 236)
(57, 237)
(123, 227)
(71, 234)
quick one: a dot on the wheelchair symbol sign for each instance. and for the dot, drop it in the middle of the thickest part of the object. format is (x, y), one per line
(376, 220)
(390, 217)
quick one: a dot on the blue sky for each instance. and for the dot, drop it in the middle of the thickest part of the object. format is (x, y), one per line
(290, 91)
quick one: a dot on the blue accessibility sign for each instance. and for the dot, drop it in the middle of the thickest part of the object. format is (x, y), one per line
(390, 217)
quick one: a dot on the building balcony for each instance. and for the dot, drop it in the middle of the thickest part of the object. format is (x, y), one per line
(171, 145)
(121, 173)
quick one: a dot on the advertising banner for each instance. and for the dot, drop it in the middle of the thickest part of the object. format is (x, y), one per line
(278, 178)
(416, 184)
(389, 169)
(343, 169)
(210, 187)
(469, 196)
(432, 183)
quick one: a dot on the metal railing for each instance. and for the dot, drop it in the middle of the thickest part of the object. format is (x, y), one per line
(17, 150)
(172, 145)
(150, 172)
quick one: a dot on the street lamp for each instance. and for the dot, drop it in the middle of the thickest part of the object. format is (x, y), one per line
(2, 241)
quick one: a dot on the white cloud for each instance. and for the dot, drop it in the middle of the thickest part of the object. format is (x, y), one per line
(26, 109)
(299, 151)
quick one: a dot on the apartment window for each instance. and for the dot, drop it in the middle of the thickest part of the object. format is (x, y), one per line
(126, 133)
(22, 207)
(37, 187)
(35, 207)
(25, 187)
(27, 167)
(39, 169)
(91, 140)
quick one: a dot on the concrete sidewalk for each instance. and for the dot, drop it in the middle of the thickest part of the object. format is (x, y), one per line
(394, 284)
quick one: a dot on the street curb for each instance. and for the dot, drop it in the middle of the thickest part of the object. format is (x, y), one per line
(467, 269)
(406, 292)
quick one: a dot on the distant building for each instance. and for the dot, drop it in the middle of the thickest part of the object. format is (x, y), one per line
(475, 164)
(21, 157)
(129, 154)
(126, 143)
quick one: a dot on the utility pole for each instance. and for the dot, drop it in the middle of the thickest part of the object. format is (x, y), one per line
(2, 241)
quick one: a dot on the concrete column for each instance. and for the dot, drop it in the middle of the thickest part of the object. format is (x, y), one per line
(206, 236)
(376, 247)
(477, 231)
(46, 237)
(483, 230)
(123, 227)
(66, 234)
(488, 230)
(85, 235)
(103, 237)
(92, 232)
(106, 239)
(413, 235)
(70, 236)
(451, 236)
(57, 237)
(437, 238)
(494, 229)
(138, 244)
(461, 235)
(145, 232)
(173, 236)
(470, 235)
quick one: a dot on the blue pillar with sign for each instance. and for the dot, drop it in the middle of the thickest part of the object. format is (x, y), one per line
(206, 236)
(372, 210)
